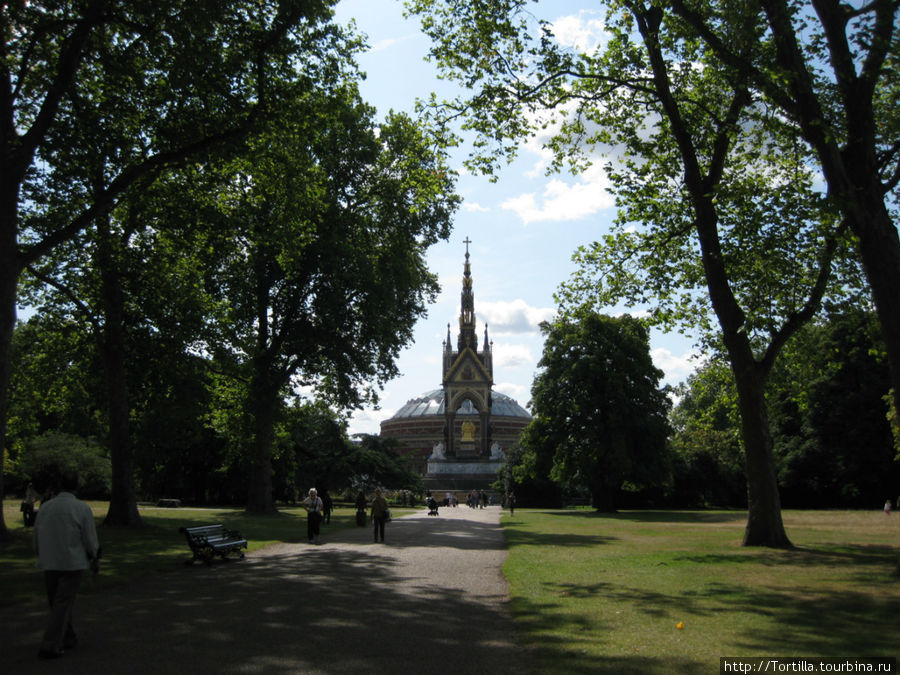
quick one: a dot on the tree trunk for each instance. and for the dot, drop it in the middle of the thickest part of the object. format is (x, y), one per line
(10, 269)
(764, 524)
(9, 276)
(879, 248)
(261, 408)
(123, 511)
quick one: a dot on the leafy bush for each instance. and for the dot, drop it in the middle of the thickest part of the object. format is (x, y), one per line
(46, 458)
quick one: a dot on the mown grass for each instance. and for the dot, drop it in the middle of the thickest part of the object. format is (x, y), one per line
(131, 554)
(598, 593)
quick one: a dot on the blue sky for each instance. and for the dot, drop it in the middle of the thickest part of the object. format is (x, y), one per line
(524, 228)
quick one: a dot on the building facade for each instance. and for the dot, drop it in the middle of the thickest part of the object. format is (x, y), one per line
(458, 435)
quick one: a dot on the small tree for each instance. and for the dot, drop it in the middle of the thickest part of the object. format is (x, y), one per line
(598, 408)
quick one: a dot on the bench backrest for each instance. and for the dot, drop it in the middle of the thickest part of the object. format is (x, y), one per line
(208, 531)
(211, 534)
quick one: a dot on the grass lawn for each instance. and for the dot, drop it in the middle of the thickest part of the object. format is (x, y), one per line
(603, 593)
(129, 555)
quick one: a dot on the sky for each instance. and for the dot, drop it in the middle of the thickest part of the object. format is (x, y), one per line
(524, 228)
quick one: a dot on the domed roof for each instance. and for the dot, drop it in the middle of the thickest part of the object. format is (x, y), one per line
(432, 404)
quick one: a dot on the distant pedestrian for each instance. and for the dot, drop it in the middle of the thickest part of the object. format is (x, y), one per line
(65, 539)
(31, 498)
(327, 507)
(379, 515)
(511, 503)
(314, 508)
(361, 509)
(887, 507)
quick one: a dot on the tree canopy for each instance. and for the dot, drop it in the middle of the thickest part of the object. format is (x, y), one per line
(100, 97)
(718, 204)
(598, 409)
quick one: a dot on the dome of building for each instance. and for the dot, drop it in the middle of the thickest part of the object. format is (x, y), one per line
(432, 403)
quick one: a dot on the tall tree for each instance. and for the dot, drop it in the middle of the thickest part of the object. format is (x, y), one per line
(322, 233)
(111, 278)
(598, 409)
(830, 67)
(179, 77)
(697, 154)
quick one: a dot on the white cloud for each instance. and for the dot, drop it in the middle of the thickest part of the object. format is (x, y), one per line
(474, 206)
(582, 33)
(387, 43)
(519, 392)
(513, 317)
(368, 421)
(512, 356)
(675, 367)
(563, 201)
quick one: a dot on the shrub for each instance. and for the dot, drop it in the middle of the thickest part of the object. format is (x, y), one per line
(47, 457)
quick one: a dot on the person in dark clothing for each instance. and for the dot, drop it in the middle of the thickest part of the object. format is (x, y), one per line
(379, 515)
(327, 507)
(361, 509)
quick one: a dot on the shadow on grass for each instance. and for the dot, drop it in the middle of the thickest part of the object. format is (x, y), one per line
(539, 619)
(868, 563)
(802, 620)
(521, 537)
(700, 517)
(806, 620)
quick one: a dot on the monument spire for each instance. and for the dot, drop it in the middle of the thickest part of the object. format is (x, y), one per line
(467, 337)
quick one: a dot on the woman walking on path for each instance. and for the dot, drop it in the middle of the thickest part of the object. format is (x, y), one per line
(379, 514)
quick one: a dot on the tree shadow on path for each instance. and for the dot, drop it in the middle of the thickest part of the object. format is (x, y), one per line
(343, 608)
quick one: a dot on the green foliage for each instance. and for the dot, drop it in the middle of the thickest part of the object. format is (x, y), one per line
(599, 414)
(319, 231)
(708, 460)
(55, 383)
(527, 474)
(49, 456)
(214, 197)
(100, 99)
(832, 443)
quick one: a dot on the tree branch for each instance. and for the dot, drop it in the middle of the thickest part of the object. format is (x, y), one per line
(69, 294)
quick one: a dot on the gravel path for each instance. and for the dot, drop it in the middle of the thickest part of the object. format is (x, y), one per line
(430, 599)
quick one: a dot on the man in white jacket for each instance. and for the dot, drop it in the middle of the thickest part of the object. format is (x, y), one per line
(65, 538)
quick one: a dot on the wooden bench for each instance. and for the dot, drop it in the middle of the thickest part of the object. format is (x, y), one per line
(208, 541)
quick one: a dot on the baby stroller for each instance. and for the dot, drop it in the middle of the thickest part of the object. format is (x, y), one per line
(432, 506)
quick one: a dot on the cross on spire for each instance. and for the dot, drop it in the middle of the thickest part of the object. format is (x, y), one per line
(467, 241)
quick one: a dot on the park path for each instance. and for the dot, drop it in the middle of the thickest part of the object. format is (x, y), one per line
(431, 599)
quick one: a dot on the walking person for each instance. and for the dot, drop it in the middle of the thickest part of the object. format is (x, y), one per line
(327, 507)
(361, 509)
(65, 538)
(314, 507)
(31, 498)
(379, 515)
(511, 503)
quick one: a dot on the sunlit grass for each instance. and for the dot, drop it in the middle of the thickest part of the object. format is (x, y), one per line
(606, 593)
